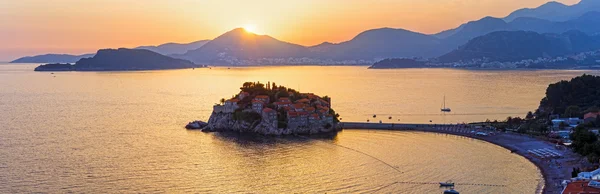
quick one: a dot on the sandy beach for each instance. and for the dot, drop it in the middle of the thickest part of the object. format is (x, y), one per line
(554, 170)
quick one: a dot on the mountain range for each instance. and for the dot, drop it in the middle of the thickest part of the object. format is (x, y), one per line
(238, 44)
(239, 47)
(163, 49)
(555, 11)
(519, 45)
(174, 48)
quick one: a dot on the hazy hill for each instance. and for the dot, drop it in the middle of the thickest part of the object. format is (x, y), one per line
(238, 44)
(555, 11)
(123, 59)
(519, 45)
(381, 43)
(174, 48)
(588, 23)
(51, 58)
(473, 29)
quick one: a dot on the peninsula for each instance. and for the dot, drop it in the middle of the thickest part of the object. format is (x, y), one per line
(269, 109)
(121, 60)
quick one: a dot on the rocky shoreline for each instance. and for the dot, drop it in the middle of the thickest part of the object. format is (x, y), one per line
(225, 122)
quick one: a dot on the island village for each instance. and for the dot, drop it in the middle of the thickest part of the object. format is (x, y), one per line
(269, 109)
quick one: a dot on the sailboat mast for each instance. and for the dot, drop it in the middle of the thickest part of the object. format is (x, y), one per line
(444, 101)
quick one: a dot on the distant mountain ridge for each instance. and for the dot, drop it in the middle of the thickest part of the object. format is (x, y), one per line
(519, 45)
(238, 45)
(381, 43)
(588, 23)
(555, 11)
(51, 58)
(175, 48)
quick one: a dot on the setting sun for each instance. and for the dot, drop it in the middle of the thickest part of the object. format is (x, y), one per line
(250, 28)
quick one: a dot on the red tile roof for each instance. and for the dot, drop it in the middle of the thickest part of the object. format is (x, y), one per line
(580, 187)
(233, 100)
(292, 114)
(304, 100)
(591, 114)
(268, 110)
(257, 102)
(323, 101)
(262, 97)
(298, 105)
(310, 109)
(315, 115)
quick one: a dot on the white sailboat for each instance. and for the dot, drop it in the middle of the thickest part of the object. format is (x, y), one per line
(444, 108)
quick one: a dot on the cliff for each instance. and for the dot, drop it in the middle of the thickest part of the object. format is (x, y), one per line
(221, 121)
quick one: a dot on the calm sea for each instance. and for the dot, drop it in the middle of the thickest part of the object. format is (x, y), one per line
(123, 132)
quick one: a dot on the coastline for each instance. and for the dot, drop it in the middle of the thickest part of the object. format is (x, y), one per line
(518, 144)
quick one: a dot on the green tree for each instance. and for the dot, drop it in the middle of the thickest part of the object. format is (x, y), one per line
(582, 138)
(222, 101)
(529, 115)
(572, 111)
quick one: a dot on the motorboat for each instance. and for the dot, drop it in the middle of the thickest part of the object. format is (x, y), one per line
(447, 184)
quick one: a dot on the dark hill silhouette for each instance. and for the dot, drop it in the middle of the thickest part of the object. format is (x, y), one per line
(123, 59)
(397, 63)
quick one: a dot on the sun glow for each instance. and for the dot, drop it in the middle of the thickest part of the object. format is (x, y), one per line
(251, 28)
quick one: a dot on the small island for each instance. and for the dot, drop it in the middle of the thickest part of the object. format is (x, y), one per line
(269, 109)
(397, 63)
(121, 60)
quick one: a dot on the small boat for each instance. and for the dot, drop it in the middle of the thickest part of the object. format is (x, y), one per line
(444, 108)
(447, 184)
(451, 191)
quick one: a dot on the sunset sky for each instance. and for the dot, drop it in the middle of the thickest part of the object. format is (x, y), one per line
(29, 27)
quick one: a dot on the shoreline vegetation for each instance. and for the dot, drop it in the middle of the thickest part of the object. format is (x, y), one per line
(568, 115)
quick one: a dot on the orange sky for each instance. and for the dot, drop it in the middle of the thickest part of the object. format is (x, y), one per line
(30, 27)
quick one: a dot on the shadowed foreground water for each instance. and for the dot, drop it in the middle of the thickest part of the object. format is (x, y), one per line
(123, 132)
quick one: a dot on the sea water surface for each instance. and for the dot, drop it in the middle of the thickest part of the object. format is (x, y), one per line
(123, 132)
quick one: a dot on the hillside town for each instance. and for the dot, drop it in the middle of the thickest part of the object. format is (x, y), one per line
(274, 110)
(587, 60)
